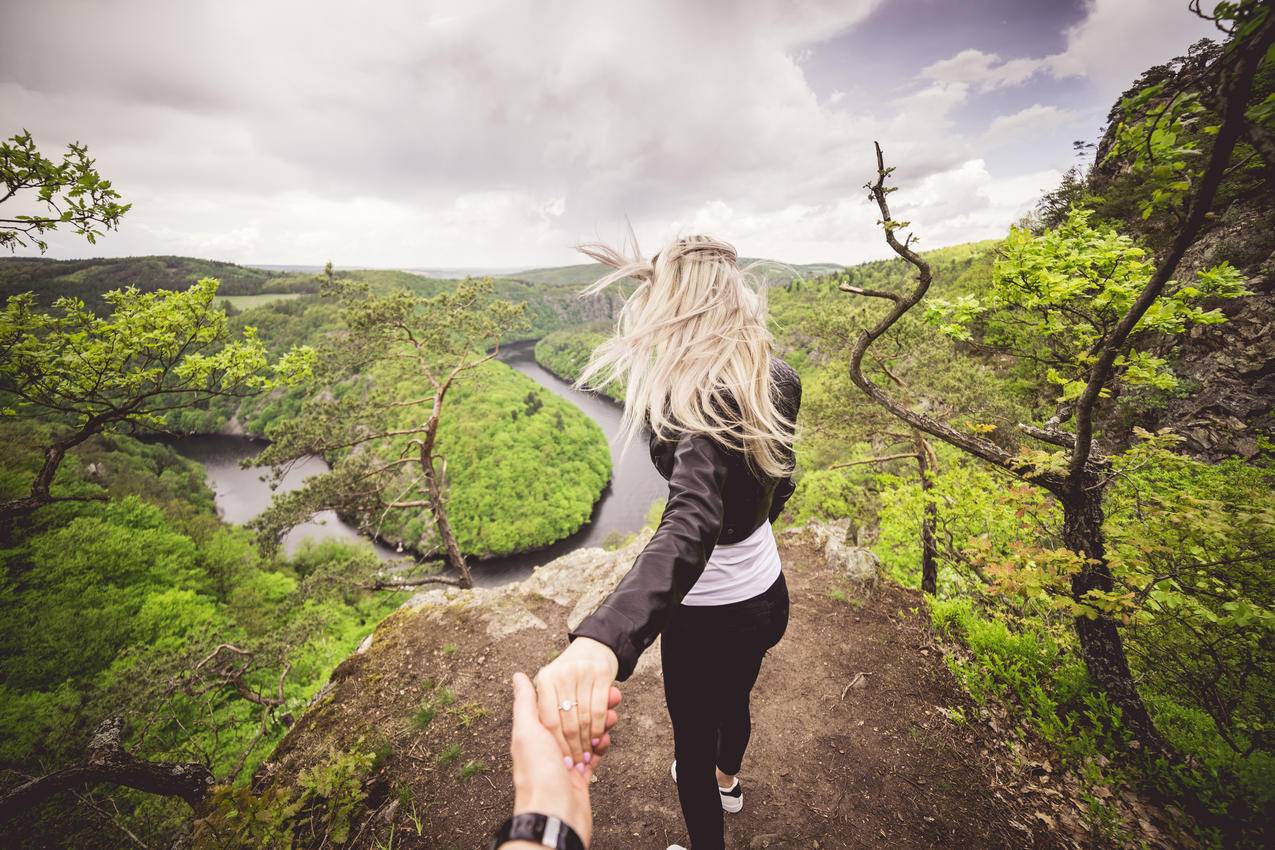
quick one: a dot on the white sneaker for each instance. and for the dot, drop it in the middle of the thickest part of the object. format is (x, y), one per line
(676, 847)
(732, 797)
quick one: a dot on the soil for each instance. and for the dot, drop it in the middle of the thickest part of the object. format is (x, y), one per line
(862, 738)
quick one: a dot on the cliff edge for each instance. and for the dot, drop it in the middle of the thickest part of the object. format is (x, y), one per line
(862, 738)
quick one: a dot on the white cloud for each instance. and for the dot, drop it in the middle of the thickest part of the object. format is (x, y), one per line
(960, 204)
(1119, 39)
(1115, 42)
(1035, 122)
(495, 134)
(530, 122)
(984, 71)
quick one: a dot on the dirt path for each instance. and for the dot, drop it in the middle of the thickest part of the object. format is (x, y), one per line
(878, 765)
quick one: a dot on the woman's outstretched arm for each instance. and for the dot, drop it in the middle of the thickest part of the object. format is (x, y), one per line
(635, 613)
(607, 644)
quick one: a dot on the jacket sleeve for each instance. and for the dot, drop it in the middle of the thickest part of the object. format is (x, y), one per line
(792, 404)
(629, 620)
(783, 492)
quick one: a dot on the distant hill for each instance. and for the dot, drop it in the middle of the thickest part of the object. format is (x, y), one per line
(585, 273)
(89, 279)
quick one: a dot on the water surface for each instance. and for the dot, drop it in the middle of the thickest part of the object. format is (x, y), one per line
(242, 494)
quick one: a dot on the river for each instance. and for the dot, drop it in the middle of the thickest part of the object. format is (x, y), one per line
(242, 494)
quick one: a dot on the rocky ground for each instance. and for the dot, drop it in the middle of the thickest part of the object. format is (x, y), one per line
(862, 737)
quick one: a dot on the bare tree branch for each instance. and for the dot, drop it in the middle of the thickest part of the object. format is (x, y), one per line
(977, 446)
(873, 460)
(109, 762)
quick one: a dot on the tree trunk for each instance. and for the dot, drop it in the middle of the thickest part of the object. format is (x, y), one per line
(109, 762)
(1100, 641)
(929, 518)
(454, 555)
(40, 487)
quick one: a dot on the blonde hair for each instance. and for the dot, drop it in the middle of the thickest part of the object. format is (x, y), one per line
(692, 348)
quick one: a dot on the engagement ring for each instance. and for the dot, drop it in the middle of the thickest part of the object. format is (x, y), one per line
(567, 705)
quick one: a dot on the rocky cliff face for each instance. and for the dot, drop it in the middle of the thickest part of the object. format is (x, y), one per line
(1228, 370)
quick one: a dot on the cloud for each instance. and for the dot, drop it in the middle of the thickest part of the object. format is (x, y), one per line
(1110, 47)
(960, 204)
(984, 71)
(1119, 39)
(1034, 122)
(486, 133)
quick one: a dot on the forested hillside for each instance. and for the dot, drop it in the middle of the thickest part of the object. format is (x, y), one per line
(960, 437)
(580, 276)
(126, 600)
(90, 279)
(146, 606)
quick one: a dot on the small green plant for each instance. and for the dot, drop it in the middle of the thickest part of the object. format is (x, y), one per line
(381, 753)
(617, 540)
(473, 767)
(318, 811)
(437, 698)
(449, 754)
(449, 649)
(389, 842)
(339, 783)
(838, 595)
(468, 712)
(418, 823)
(424, 715)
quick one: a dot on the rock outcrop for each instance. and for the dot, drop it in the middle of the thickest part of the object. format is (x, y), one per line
(843, 556)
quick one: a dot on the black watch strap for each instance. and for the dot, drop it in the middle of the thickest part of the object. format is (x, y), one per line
(545, 830)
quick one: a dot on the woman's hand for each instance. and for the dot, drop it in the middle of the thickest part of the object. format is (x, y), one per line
(581, 679)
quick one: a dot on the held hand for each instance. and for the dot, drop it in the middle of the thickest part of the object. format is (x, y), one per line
(575, 693)
(542, 783)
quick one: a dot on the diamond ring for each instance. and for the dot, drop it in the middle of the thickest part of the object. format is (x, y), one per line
(567, 705)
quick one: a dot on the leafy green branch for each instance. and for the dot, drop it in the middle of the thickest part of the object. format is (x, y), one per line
(70, 193)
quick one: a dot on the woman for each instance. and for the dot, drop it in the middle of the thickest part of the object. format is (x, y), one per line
(694, 353)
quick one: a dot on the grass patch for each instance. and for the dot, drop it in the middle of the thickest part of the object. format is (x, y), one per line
(841, 594)
(439, 699)
(424, 716)
(449, 754)
(473, 767)
(468, 712)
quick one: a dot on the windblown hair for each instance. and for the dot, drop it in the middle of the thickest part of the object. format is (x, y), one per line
(693, 351)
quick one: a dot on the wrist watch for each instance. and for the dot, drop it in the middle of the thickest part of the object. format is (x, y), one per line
(546, 830)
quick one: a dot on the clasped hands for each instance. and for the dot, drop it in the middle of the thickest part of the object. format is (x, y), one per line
(560, 730)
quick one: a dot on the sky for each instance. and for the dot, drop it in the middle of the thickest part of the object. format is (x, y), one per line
(497, 134)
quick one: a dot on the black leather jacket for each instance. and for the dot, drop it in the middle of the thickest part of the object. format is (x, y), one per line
(713, 498)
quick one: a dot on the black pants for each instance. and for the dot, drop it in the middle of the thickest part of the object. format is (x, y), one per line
(712, 655)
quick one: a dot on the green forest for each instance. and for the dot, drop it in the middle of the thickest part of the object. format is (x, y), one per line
(1062, 438)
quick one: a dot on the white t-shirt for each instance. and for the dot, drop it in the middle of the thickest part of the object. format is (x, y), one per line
(738, 571)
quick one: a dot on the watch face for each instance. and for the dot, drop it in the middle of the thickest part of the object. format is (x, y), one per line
(552, 827)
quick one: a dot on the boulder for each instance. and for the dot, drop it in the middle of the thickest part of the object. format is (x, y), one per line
(855, 563)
